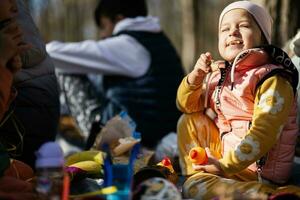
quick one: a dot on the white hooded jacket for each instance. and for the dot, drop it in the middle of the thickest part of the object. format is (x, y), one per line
(119, 55)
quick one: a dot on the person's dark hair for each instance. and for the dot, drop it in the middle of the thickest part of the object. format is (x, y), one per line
(127, 8)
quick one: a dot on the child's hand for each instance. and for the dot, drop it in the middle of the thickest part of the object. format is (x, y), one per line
(202, 67)
(213, 165)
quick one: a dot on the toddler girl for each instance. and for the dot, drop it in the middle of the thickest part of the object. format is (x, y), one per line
(242, 111)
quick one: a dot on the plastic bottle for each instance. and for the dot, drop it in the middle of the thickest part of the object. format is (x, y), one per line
(197, 155)
(50, 171)
(167, 147)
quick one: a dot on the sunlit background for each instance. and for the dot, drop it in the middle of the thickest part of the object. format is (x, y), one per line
(190, 24)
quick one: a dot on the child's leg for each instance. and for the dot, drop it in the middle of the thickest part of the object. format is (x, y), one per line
(196, 129)
(208, 186)
(288, 189)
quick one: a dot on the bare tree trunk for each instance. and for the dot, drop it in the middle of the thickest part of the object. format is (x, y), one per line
(188, 33)
(169, 14)
(67, 20)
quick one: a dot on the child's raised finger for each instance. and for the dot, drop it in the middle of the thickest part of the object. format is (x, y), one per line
(200, 65)
(205, 59)
(208, 55)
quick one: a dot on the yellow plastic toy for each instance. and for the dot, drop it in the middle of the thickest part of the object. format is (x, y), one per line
(166, 162)
(198, 156)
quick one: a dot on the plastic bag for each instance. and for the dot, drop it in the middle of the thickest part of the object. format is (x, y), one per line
(120, 126)
(167, 147)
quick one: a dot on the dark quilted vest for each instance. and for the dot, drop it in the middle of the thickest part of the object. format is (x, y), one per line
(150, 99)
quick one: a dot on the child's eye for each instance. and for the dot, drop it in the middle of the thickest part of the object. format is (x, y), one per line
(224, 29)
(245, 25)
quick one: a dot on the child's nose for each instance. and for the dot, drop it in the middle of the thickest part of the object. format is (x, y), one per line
(234, 31)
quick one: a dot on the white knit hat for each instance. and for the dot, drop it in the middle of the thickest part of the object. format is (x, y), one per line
(261, 16)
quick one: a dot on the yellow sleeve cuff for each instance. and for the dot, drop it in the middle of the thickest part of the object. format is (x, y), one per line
(189, 86)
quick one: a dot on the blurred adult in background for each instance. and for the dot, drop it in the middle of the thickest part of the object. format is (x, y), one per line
(35, 111)
(133, 68)
(14, 175)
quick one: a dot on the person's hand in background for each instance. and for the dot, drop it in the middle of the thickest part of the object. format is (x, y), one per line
(13, 188)
(11, 45)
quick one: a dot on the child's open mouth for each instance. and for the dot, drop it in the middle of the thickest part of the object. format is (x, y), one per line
(234, 42)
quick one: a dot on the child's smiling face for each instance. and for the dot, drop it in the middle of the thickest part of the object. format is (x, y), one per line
(238, 31)
(8, 9)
